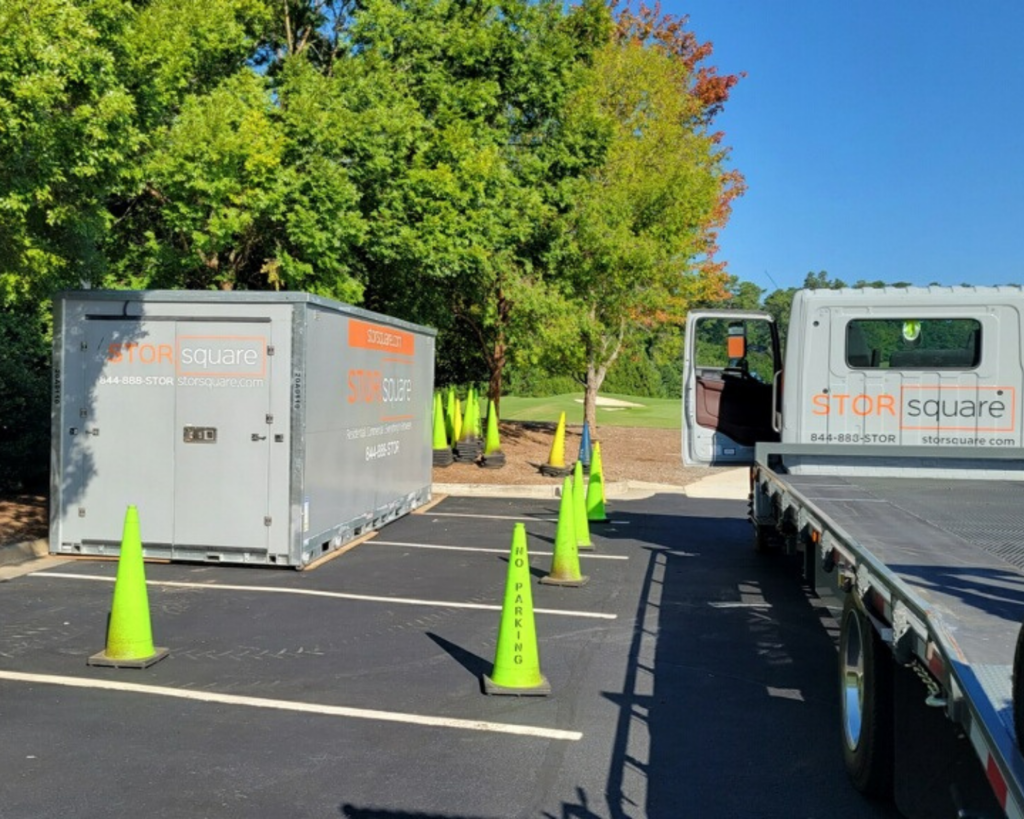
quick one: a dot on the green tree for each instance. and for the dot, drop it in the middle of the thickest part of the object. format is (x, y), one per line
(458, 214)
(67, 129)
(635, 227)
(247, 189)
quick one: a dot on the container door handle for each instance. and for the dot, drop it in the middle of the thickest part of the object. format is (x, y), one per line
(258, 437)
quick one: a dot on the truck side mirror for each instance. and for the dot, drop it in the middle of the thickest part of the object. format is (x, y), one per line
(736, 343)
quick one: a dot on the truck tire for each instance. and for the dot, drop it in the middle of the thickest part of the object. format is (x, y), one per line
(866, 691)
(1018, 689)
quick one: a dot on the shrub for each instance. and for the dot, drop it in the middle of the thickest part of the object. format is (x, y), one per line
(24, 401)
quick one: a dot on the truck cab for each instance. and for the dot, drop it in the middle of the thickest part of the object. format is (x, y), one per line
(936, 366)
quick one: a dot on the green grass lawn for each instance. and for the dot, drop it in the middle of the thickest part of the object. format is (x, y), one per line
(657, 413)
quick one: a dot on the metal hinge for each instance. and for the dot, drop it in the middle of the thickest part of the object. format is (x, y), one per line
(267, 521)
(270, 349)
(270, 418)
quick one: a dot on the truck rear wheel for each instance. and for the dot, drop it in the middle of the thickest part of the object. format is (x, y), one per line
(865, 689)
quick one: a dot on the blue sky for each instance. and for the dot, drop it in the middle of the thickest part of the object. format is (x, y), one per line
(879, 140)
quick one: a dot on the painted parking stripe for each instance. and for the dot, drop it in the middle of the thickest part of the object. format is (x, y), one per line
(586, 555)
(287, 705)
(403, 601)
(520, 518)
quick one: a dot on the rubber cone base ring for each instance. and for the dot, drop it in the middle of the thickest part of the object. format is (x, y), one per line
(443, 457)
(551, 580)
(555, 471)
(586, 547)
(101, 659)
(496, 460)
(542, 689)
(598, 520)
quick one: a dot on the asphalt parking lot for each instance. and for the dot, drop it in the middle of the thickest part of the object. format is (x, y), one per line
(691, 677)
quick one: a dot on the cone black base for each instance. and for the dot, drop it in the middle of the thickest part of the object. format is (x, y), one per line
(443, 457)
(542, 689)
(551, 580)
(101, 659)
(496, 460)
(468, 451)
(555, 471)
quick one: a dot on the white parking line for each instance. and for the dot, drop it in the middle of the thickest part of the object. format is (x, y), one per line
(404, 601)
(286, 705)
(488, 551)
(520, 518)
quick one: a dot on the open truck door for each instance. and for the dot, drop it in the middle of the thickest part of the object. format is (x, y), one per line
(732, 368)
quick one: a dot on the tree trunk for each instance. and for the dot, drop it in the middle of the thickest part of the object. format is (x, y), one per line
(598, 362)
(594, 380)
(496, 363)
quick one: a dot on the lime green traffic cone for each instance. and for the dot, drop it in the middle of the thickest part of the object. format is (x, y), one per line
(493, 457)
(565, 564)
(129, 634)
(449, 415)
(493, 443)
(469, 429)
(597, 467)
(440, 436)
(517, 660)
(555, 467)
(579, 496)
(442, 451)
(556, 457)
(457, 421)
(595, 498)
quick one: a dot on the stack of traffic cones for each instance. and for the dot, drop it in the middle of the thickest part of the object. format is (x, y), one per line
(493, 457)
(442, 449)
(468, 447)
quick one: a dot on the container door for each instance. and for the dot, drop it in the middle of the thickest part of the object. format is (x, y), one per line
(118, 414)
(731, 382)
(223, 434)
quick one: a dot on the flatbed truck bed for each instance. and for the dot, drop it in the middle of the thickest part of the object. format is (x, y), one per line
(938, 561)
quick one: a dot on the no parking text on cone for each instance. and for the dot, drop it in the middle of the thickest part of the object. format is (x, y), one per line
(517, 660)
(129, 634)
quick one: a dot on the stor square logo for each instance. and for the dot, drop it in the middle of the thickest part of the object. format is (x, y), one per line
(222, 356)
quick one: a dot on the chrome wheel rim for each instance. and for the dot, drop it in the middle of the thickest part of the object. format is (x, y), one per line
(853, 681)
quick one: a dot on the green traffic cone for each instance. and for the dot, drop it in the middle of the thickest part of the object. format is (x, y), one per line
(517, 661)
(449, 416)
(129, 633)
(595, 498)
(565, 563)
(442, 451)
(597, 467)
(493, 444)
(579, 495)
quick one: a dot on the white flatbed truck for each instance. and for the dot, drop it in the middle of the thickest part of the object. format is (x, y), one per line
(886, 451)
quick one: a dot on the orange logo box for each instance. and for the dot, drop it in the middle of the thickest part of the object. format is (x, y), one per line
(368, 336)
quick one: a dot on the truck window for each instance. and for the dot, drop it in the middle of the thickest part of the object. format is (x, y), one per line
(913, 344)
(712, 349)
